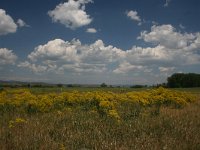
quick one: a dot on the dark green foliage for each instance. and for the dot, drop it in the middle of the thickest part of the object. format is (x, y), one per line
(139, 86)
(1, 88)
(59, 85)
(181, 80)
(103, 85)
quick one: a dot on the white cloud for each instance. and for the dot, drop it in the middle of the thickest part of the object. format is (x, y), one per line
(166, 69)
(21, 23)
(126, 67)
(72, 56)
(98, 53)
(96, 57)
(7, 56)
(57, 50)
(133, 15)
(179, 48)
(33, 67)
(167, 3)
(72, 14)
(166, 35)
(170, 48)
(74, 51)
(7, 24)
(149, 53)
(91, 30)
(194, 46)
(83, 68)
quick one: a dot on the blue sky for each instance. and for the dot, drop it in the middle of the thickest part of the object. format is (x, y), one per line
(89, 42)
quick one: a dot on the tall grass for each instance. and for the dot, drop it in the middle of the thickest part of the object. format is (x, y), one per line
(79, 128)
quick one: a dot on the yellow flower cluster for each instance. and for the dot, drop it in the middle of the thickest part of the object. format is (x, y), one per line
(17, 121)
(160, 96)
(105, 103)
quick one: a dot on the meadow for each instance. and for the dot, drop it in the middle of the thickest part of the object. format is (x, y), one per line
(99, 118)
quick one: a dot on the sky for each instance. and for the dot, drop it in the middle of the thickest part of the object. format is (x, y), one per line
(96, 41)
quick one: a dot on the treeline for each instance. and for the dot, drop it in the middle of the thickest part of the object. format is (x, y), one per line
(183, 80)
(139, 86)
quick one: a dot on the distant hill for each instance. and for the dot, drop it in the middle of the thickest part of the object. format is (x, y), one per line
(12, 83)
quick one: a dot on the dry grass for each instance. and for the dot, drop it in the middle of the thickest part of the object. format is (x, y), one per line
(177, 129)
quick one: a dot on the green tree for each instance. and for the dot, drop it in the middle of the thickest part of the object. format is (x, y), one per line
(179, 80)
(103, 85)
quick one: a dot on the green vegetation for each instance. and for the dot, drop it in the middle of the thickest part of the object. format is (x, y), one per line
(181, 80)
(103, 85)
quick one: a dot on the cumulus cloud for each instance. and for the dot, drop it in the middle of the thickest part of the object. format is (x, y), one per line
(21, 23)
(194, 46)
(170, 48)
(72, 14)
(7, 24)
(57, 50)
(133, 15)
(7, 56)
(143, 55)
(167, 36)
(83, 68)
(179, 48)
(72, 56)
(35, 68)
(126, 67)
(74, 51)
(97, 53)
(91, 30)
(140, 59)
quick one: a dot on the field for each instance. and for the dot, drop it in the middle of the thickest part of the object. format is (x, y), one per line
(99, 118)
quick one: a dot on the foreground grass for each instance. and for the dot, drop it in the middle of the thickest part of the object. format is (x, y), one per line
(139, 128)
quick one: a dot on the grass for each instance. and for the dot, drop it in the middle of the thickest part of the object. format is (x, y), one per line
(80, 129)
